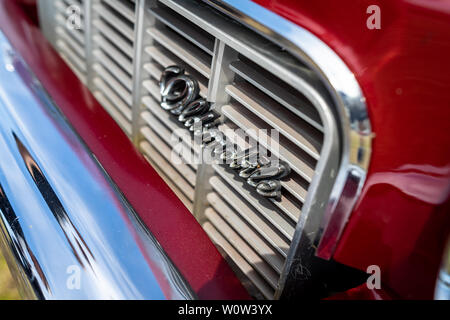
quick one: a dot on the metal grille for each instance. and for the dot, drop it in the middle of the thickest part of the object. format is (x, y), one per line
(70, 40)
(253, 84)
(172, 40)
(113, 55)
(259, 229)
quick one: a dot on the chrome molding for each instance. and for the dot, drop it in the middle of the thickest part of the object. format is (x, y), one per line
(142, 23)
(63, 222)
(335, 190)
(88, 5)
(442, 291)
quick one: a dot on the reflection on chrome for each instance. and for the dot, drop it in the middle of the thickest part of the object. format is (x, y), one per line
(60, 211)
(442, 291)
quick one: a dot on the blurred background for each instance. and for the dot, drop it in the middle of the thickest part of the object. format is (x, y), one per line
(8, 289)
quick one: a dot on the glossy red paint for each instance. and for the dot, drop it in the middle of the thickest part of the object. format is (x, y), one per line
(174, 227)
(403, 216)
(362, 292)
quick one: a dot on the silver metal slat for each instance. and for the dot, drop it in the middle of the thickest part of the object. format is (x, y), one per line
(172, 140)
(115, 114)
(112, 67)
(79, 73)
(114, 84)
(250, 44)
(184, 29)
(165, 58)
(243, 248)
(62, 6)
(262, 205)
(78, 50)
(156, 54)
(183, 169)
(164, 117)
(147, 150)
(247, 212)
(168, 170)
(248, 234)
(295, 104)
(292, 185)
(153, 89)
(120, 59)
(112, 36)
(118, 24)
(193, 56)
(243, 265)
(112, 96)
(122, 9)
(282, 120)
(74, 3)
(77, 34)
(290, 203)
(155, 71)
(289, 206)
(74, 59)
(246, 120)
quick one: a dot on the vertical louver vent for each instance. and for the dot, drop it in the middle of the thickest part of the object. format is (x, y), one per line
(265, 98)
(113, 54)
(173, 40)
(70, 34)
(257, 232)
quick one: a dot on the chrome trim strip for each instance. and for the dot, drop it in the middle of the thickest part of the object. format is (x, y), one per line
(324, 217)
(46, 16)
(139, 59)
(442, 291)
(88, 48)
(62, 219)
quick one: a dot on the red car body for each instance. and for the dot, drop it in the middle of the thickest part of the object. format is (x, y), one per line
(401, 221)
(402, 218)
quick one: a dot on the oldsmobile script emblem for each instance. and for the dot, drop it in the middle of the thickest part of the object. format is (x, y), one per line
(180, 96)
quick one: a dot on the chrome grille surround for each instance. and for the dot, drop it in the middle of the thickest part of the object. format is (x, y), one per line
(228, 58)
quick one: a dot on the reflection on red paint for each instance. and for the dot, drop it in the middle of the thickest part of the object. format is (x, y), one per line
(401, 221)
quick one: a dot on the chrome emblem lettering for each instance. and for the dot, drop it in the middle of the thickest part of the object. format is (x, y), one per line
(180, 95)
